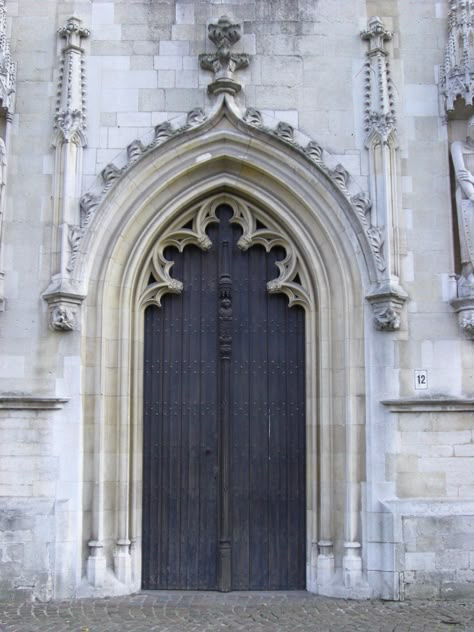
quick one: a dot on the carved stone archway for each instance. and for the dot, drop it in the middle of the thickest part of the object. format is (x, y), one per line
(278, 197)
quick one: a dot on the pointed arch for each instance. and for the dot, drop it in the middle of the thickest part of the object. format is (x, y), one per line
(278, 197)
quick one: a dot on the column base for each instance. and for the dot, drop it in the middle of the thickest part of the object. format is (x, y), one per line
(325, 562)
(96, 564)
(123, 562)
(352, 564)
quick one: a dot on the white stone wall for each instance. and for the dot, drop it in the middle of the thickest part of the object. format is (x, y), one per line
(306, 69)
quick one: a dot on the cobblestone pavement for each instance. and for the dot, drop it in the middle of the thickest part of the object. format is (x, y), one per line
(260, 612)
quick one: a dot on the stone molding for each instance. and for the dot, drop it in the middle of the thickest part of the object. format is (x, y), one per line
(429, 405)
(28, 402)
(267, 234)
(197, 120)
(457, 72)
(430, 506)
(126, 266)
(224, 63)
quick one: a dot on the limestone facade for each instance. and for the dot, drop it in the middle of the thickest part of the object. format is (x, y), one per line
(123, 124)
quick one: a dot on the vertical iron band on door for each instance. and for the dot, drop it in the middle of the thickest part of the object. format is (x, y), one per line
(225, 355)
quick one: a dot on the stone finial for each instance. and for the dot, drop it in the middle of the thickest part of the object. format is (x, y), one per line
(377, 35)
(73, 32)
(223, 63)
(457, 71)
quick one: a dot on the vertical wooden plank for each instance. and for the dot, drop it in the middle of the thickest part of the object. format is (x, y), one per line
(278, 491)
(187, 527)
(296, 443)
(258, 422)
(148, 442)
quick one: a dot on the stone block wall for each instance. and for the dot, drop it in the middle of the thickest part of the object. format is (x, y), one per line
(27, 547)
(438, 557)
(435, 455)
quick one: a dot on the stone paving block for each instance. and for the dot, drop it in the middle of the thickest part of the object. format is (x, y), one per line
(263, 611)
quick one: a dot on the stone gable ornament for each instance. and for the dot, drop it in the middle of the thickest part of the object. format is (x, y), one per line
(224, 63)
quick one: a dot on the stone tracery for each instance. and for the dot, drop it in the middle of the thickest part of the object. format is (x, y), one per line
(292, 278)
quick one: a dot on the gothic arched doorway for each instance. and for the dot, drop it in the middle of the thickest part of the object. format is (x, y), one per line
(224, 467)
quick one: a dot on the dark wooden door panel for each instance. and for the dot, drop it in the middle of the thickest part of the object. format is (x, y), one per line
(268, 441)
(224, 436)
(180, 433)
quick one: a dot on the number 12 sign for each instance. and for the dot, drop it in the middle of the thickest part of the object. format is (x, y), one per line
(421, 379)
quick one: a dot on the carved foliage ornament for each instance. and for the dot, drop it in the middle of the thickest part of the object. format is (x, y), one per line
(292, 278)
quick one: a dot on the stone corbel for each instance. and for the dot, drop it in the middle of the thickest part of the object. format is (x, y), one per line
(387, 304)
(70, 139)
(464, 307)
(388, 298)
(64, 310)
(224, 63)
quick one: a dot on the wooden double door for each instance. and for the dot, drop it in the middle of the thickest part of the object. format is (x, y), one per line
(224, 425)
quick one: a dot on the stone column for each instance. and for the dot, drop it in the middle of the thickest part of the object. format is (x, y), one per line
(387, 298)
(62, 294)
